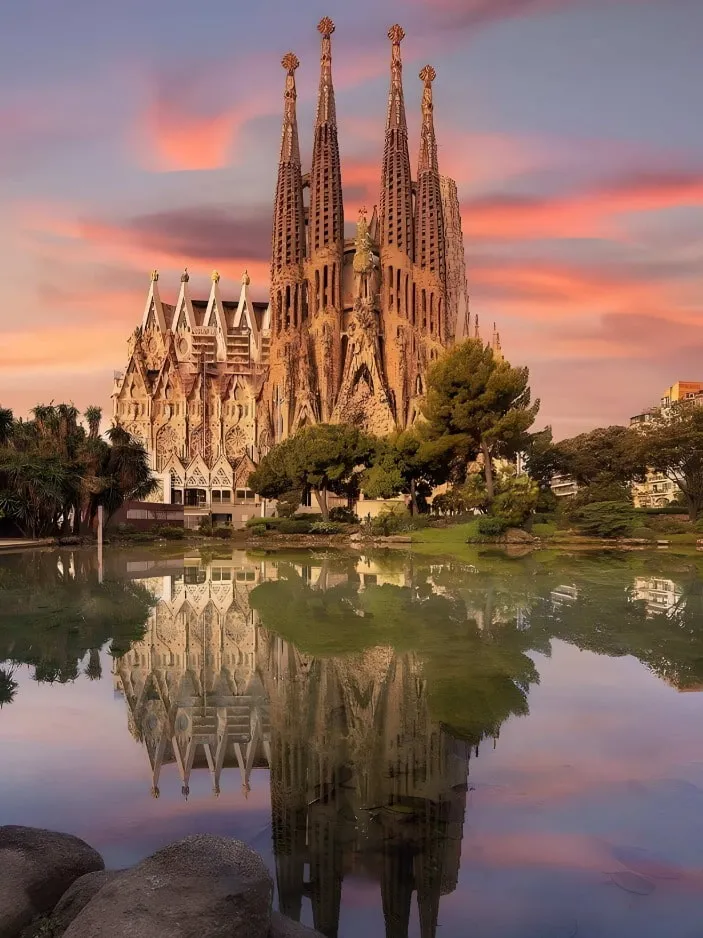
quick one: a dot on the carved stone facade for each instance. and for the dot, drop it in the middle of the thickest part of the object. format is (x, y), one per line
(352, 325)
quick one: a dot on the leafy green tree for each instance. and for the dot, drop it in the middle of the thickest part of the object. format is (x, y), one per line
(407, 464)
(606, 457)
(480, 402)
(322, 458)
(673, 445)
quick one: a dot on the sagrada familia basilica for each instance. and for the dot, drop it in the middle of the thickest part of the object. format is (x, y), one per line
(351, 327)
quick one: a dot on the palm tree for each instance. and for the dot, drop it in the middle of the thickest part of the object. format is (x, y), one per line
(8, 686)
(6, 424)
(93, 670)
(93, 415)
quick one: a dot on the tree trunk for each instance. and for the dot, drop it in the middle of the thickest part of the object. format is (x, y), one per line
(693, 508)
(488, 470)
(413, 498)
(321, 496)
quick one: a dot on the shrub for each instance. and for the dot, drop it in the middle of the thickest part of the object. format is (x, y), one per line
(643, 534)
(125, 529)
(606, 519)
(293, 526)
(171, 533)
(325, 527)
(544, 529)
(343, 515)
(269, 523)
(492, 526)
(544, 517)
(257, 530)
(224, 531)
(308, 516)
(392, 520)
(516, 500)
(698, 526)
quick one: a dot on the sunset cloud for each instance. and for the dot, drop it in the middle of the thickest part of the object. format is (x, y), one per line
(474, 14)
(595, 212)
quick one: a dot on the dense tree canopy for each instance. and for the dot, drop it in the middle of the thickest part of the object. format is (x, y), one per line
(322, 458)
(673, 445)
(605, 457)
(481, 402)
(409, 464)
(54, 474)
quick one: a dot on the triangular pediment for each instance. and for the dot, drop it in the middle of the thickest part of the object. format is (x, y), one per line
(221, 473)
(197, 472)
(242, 471)
(175, 467)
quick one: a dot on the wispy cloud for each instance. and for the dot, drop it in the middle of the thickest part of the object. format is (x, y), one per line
(594, 212)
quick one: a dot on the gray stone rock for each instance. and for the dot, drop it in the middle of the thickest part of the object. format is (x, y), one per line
(199, 887)
(282, 927)
(37, 868)
(77, 897)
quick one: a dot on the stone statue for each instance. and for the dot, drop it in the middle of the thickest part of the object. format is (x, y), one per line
(365, 263)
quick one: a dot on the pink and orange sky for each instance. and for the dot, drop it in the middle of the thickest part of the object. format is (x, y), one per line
(137, 135)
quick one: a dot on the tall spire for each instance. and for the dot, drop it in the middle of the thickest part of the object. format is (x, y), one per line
(396, 204)
(326, 211)
(430, 251)
(289, 223)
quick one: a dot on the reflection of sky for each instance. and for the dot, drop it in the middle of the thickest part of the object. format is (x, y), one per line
(608, 759)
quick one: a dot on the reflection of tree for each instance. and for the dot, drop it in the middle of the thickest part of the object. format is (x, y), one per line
(609, 619)
(8, 686)
(476, 678)
(53, 610)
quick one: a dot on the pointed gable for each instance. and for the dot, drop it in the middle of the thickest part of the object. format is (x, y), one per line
(183, 315)
(215, 317)
(154, 317)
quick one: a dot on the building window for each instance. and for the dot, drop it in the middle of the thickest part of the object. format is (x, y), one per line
(176, 496)
(245, 495)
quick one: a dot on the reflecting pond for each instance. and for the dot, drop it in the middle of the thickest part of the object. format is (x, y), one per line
(509, 748)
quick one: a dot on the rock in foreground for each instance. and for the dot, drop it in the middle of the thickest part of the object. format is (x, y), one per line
(77, 897)
(37, 867)
(199, 887)
(282, 927)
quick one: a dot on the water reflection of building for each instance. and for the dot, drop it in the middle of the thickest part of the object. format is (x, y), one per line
(660, 595)
(363, 782)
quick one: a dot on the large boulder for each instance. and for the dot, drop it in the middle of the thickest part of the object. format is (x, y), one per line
(199, 887)
(282, 927)
(36, 869)
(77, 897)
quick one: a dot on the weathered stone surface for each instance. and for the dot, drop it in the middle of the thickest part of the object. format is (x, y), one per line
(37, 867)
(199, 887)
(77, 897)
(282, 927)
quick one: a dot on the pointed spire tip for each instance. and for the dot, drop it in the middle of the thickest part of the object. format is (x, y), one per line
(396, 34)
(428, 74)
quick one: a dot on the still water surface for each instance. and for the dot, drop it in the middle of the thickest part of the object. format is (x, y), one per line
(511, 748)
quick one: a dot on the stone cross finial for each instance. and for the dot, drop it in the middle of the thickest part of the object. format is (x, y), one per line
(154, 275)
(215, 276)
(325, 27)
(290, 62)
(185, 277)
(246, 280)
(428, 74)
(396, 34)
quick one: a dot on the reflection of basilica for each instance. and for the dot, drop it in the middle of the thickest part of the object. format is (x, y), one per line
(362, 781)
